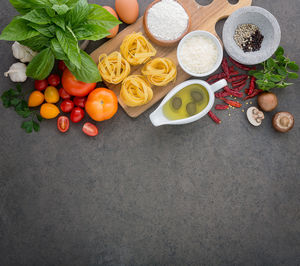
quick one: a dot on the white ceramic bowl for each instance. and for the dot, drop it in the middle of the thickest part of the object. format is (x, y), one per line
(214, 39)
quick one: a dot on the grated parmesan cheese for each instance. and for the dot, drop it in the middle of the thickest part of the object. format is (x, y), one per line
(167, 20)
(198, 54)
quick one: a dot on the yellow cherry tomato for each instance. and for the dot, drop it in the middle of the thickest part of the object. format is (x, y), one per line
(51, 95)
(36, 98)
(49, 111)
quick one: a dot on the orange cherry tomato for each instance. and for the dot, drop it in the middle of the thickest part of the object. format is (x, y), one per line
(114, 31)
(49, 111)
(75, 87)
(51, 95)
(102, 104)
(36, 98)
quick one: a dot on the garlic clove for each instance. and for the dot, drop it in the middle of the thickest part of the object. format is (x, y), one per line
(17, 72)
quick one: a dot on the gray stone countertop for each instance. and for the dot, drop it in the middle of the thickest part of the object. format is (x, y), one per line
(200, 194)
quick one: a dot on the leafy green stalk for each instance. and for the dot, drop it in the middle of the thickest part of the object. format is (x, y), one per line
(53, 28)
(276, 70)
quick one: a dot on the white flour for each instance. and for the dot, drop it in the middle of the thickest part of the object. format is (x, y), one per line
(167, 20)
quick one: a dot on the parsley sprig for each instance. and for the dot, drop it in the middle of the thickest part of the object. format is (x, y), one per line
(276, 70)
(16, 98)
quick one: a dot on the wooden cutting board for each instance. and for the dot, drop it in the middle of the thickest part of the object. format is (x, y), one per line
(202, 18)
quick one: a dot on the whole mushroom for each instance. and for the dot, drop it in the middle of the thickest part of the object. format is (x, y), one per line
(267, 101)
(255, 116)
(283, 121)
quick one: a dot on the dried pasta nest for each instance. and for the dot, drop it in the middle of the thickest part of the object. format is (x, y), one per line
(113, 68)
(136, 91)
(160, 71)
(136, 49)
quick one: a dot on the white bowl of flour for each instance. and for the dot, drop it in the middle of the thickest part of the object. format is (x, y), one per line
(199, 53)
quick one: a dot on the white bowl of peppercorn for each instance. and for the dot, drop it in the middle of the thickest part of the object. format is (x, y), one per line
(251, 35)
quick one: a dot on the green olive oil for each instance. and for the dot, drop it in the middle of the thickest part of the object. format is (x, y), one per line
(190, 101)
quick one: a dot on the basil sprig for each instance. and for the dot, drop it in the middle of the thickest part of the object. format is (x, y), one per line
(276, 70)
(53, 28)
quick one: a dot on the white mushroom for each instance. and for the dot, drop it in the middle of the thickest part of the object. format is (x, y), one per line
(17, 72)
(255, 116)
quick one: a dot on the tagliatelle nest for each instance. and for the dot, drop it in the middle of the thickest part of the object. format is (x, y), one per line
(113, 68)
(136, 49)
(136, 91)
(160, 71)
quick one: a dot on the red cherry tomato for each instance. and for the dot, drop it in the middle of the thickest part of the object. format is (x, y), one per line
(75, 87)
(63, 124)
(79, 101)
(61, 65)
(90, 129)
(67, 106)
(54, 80)
(77, 115)
(40, 85)
(63, 94)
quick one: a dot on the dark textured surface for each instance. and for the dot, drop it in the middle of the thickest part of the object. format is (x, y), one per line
(200, 194)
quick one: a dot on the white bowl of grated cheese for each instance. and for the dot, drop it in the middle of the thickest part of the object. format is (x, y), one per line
(199, 53)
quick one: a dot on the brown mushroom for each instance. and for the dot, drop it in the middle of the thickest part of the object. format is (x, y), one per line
(283, 121)
(267, 101)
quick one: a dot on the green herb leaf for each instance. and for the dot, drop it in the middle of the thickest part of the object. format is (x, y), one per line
(18, 30)
(293, 66)
(60, 22)
(41, 65)
(36, 126)
(27, 126)
(15, 101)
(46, 30)
(88, 73)
(39, 117)
(279, 51)
(22, 6)
(78, 13)
(282, 71)
(38, 16)
(90, 32)
(271, 63)
(61, 9)
(57, 50)
(275, 78)
(292, 75)
(37, 43)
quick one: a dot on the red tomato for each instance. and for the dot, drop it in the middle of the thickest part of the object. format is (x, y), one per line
(40, 85)
(63, 94)
(67, 106)
(54, 80)
(61, 65)
(79, 101)
(90, 129)
(75, 87)
(63, 124)
(77, 115)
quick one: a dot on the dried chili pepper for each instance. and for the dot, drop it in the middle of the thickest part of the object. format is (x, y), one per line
(241, 66)
(232, 103)
(222, 94)
(221, 106)
(217, 76)
(225, 67)
(240, 87)
(252, 86)
(255, 93)
(214, 117)
(239, 83)
(233, 93)
(232, 71)
(237, 78)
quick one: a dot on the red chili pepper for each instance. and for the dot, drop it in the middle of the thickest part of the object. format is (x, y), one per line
(239, 83)
(252, 86)
(222, 94)
(237, 78)
(225, 67)
(241, 66)
(214, 117)
(221, 106)
(232, 71)
(233, 93)
(217, 76)
(240, 87)
(232, 103)
(255, 93)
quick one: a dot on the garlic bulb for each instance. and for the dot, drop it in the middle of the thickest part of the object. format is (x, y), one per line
(23, 53)
(17, 72)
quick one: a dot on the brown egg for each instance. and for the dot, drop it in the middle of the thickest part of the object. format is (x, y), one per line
(113, 31)
(128, 10)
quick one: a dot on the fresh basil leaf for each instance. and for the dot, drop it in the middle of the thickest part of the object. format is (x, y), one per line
(270, 63)
(27, 126)
(38, 16)
(36, 126)
(45, 30)
(61, 9)
(50, 12)
(57, 50)
(70, 46)
(78, 13)
(90, 32)
(292, 75)
(279, 51)
(41, 65)
(60, 22)
(88, 72)
(18, 30)
(22, 6)
(37, 43)
(293, 66)
(100, 16)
